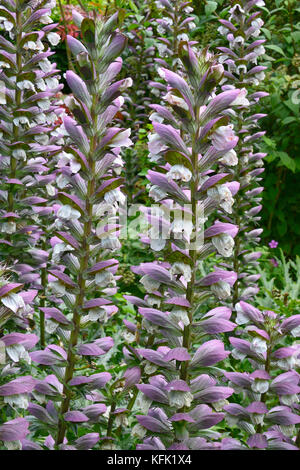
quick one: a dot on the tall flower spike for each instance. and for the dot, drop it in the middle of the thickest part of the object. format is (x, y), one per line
(182, 349)
(28, 138)
(173, 22)
(84, 272)
(243, 32)
(28, 116)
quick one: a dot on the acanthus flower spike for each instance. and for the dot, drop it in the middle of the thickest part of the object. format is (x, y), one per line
(179, 396)
(84, 238)
(29, 137)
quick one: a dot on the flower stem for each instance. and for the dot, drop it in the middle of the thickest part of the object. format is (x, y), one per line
(193, 254)
(111, 419)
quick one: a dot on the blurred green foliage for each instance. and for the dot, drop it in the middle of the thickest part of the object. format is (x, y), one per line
(282, 141)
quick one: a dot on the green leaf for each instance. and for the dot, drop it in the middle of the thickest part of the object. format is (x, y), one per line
(29, 37)
(292, 106)
(6, 14)
(176, 158)
(276, 49)
(88, 31)
(289, 119)
(296, 36)
(269, 142)
(7, 60)
(133, 6)
(267, 33)
(210, 7)
(108, 186)
(179, 257)
(287, 161)
(271, 156)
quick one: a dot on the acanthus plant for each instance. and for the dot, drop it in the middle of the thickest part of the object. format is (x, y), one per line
(268, 413)
(83, 279)
(245, 163)
(28, 113)
(29, 136)
(181, 344)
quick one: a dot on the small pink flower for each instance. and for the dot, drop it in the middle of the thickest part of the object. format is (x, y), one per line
(273, 244)
(274, 262)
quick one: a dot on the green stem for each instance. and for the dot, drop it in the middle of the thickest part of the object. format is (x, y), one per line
(193, 255)
(132, 400)
(238, 199)
(237, 221)
(44, 283)
(236, 252)
(44, 279)
(71, 358)
(111, 419)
